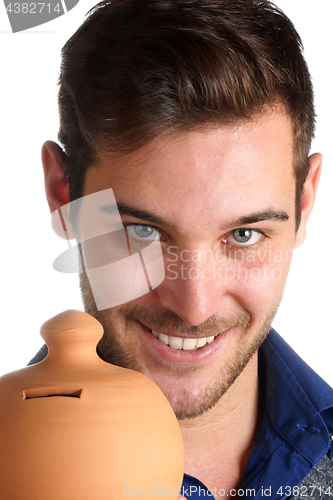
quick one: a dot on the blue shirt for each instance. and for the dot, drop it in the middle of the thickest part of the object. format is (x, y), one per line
(296, 432)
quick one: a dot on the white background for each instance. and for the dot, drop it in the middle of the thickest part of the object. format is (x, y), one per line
(32, 291)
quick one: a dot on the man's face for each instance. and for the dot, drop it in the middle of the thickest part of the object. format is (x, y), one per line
(223, 201)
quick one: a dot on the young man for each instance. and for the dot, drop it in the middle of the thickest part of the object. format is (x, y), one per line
(199, 116)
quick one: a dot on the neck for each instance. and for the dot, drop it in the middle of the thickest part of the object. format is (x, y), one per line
(218, 443)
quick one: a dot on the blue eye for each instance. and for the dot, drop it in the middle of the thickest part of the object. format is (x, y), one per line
(244, 237)
(140, 232)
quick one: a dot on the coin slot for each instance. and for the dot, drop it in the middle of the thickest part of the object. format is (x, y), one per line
(49, 392)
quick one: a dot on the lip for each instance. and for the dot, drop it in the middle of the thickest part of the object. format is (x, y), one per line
(199, 356)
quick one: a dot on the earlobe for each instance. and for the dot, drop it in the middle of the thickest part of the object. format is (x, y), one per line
(56, 187)
(309, 195)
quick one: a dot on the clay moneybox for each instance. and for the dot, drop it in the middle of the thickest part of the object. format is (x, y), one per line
(74, 427)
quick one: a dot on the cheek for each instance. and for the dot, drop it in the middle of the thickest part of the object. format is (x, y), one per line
(258, 283)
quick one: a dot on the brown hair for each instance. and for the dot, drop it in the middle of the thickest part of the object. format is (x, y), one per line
(139, 69)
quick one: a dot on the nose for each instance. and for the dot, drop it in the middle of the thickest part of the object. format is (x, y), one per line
(193, 289)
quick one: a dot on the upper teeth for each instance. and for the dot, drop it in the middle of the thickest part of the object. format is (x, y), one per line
(183, 343)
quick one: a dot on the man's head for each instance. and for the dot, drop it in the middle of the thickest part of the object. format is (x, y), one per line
(199, 115)
(136, 71)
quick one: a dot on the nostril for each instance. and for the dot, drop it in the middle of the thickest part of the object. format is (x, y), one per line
(47, 392)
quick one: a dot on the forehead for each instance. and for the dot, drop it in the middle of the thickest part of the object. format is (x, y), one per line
(225, 169)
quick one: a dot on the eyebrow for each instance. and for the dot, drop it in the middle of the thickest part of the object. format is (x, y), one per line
(270, 214)
(125, 209)
(262, 215)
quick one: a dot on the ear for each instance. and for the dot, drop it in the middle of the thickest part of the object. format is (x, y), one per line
(56, 187)
(309, 195)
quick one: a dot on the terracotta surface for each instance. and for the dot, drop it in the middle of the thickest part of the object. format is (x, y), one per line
(73, 427)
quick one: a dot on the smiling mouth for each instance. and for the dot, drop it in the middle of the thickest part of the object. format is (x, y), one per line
(181, 343)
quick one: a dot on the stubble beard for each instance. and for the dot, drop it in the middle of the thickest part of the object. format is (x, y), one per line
(186, 405)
